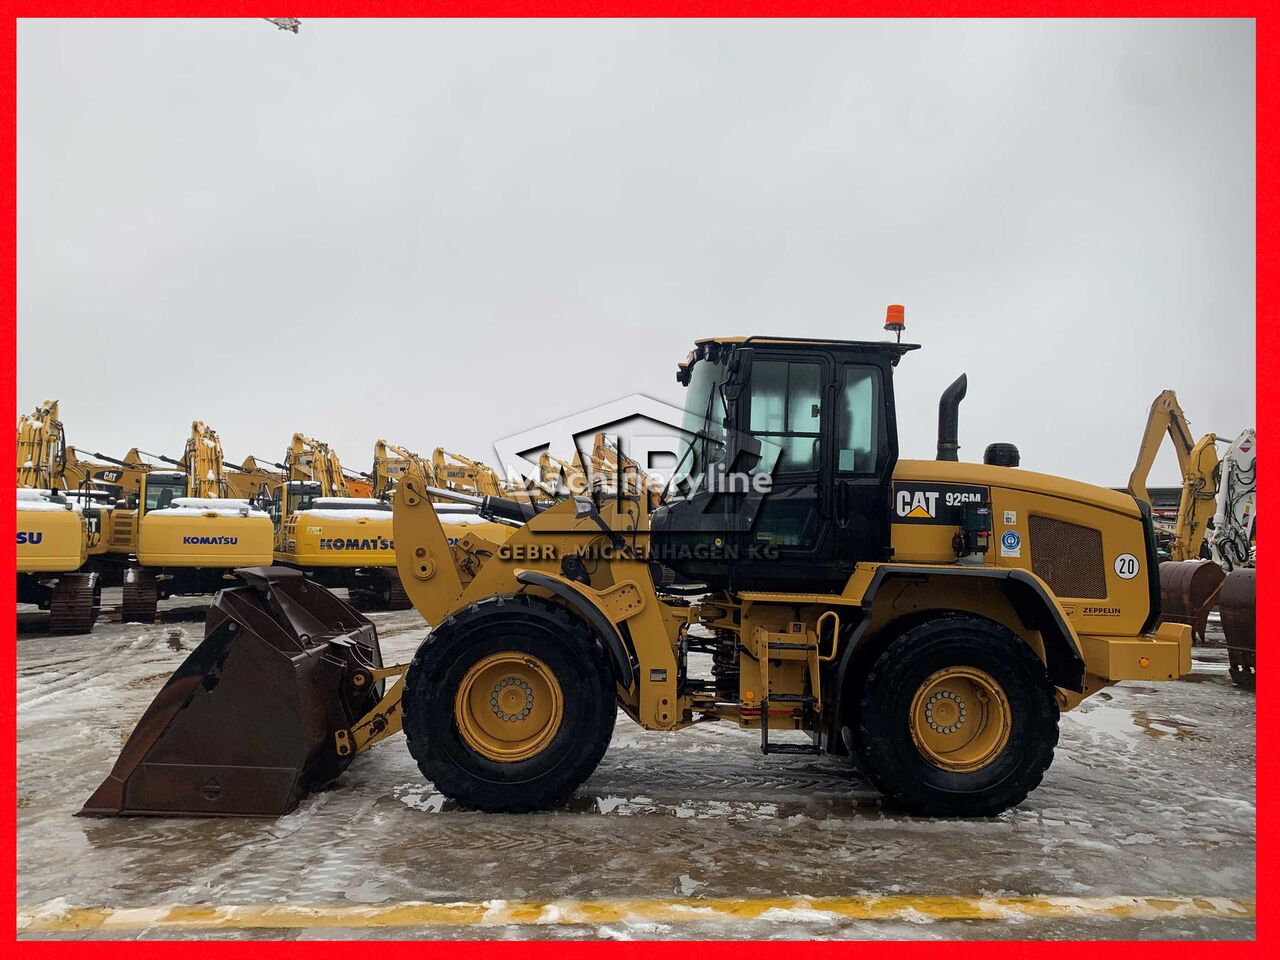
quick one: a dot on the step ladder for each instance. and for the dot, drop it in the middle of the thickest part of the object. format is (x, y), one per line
(800, 645)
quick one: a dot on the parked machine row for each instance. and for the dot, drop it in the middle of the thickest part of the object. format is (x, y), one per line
(184, 528)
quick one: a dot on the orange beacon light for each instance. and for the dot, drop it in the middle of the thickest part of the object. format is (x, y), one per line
(895, 319)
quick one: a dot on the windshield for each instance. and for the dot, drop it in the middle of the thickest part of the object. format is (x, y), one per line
(300, 496)
(704, 417)
(162, 491)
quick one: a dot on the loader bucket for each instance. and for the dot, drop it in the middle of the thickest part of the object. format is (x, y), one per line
(246, 726)
(1188, 591)
(1238, 605)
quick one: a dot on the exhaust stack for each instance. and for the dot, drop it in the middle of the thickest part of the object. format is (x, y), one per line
(949, 418)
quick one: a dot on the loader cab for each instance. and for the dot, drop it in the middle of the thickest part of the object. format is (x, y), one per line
(794, 447)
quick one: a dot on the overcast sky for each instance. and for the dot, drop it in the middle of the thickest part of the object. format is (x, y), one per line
(448, 232)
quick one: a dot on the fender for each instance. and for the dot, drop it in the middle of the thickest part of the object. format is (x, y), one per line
(582, 602)
(1030, 600)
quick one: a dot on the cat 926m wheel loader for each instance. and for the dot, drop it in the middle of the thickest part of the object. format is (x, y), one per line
(927, 619)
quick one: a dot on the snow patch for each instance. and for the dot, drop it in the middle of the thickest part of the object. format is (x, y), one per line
(687, 885)
(425, 801)
(202, 506)
(350, 503)
(356, 514)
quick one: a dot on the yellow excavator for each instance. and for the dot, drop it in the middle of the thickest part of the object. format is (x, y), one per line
(337, 539)
(56, 531)
(617, 468)
(247, 480)
(113, 477)
(181, 534)
(559, 478)
(390, 464)
(1209, 544)
(926, 619)
(453, 471)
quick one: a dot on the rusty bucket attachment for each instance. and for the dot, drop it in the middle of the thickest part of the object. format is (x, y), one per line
(1188, 591)
(1238, 604)
(247, 725)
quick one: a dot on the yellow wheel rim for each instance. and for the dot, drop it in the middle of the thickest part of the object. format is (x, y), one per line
(960, 719)
(508, 707)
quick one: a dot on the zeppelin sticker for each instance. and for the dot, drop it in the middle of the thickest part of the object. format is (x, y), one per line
(940, 503)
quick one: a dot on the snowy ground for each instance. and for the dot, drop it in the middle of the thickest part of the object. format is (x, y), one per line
(1151, 795)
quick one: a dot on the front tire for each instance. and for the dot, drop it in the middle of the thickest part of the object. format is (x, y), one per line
(509, 705)
(957, 719)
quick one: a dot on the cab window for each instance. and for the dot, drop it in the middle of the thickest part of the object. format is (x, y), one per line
(162, 493)
(786, 408)
(858, 416)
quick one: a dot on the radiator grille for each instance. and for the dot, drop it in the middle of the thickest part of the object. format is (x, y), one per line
(121, 532)
(1068, 557)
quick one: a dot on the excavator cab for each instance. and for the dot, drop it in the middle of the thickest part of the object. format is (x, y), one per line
(795, 444)
(161, 488)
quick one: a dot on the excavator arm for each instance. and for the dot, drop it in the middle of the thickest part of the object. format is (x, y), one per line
(1198, 465)
(1231, 538)
(621, 471)
(453, 471)
(309, 459)
(391, 463)
(202, 459)
(42, 447)
(556, 475)
(1165, 417)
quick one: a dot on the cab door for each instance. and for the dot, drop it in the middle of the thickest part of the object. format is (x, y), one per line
(864, 451)
(785, 537)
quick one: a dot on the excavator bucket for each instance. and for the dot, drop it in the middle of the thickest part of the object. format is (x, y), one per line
(1238, 604)
(1188, 591)
(249, 723)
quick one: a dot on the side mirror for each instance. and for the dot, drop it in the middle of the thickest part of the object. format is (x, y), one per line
(583, 507)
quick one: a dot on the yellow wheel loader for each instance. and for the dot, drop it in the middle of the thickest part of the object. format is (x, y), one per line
(927, 620)
(180, 534)
(1209, 544)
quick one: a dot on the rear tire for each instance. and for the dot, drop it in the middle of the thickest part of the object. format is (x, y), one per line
(957, 719)
(509, 705)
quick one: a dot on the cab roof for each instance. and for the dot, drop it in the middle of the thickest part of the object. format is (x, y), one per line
(709, 346)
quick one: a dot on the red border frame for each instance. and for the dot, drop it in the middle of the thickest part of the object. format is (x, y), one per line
(1268, 338)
